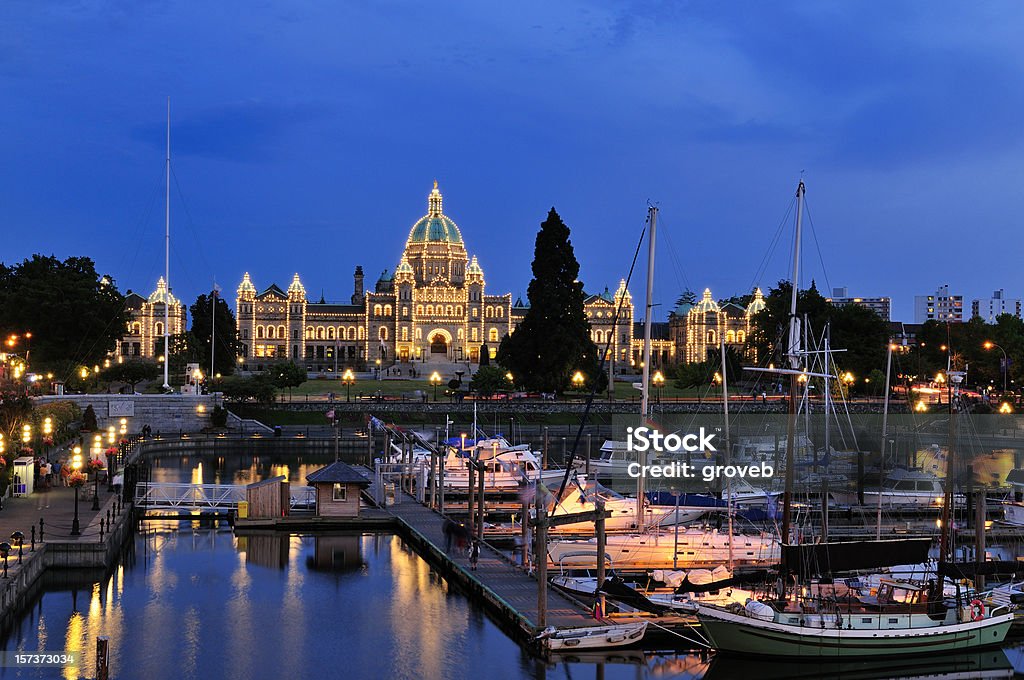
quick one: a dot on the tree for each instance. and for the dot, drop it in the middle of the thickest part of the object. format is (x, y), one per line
(857, 330)
(89, 423)
(488, 380)
(132, 373)
(71, 311)
(15, 409)
(222, 330)
(485, 355)
(553, 340)
(687, 297)
(257, 388)
(286, 375)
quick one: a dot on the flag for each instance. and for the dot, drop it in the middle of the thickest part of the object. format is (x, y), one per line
(216, 290)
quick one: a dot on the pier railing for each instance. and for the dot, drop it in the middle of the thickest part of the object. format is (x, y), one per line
(215, 497)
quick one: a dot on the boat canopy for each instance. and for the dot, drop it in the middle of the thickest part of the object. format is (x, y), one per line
(821, 559)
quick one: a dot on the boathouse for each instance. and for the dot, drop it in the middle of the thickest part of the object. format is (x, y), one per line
(338, 487)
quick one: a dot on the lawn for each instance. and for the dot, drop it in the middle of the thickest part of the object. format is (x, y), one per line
(320, 388)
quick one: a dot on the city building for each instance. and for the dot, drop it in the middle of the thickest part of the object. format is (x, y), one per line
(146, 316)
(940, 306)
(998, 304)
(696, 330)
(433, 309)
(881, 306)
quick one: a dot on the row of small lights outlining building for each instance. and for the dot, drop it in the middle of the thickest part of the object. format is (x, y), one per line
(432, 308)
(145, 328)
(699, 328)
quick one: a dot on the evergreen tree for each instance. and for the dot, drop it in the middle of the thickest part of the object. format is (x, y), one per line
(224, 333)
(687, 297)
(553, 340)
(72, 311)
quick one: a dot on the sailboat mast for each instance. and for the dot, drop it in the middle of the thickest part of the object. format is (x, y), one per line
(728, 446)
(794, 363)
(645, 357)
(885, 435)
(167, 253)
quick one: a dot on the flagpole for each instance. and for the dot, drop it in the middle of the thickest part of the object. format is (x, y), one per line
(213, 325)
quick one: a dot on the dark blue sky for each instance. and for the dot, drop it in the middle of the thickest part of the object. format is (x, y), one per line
(306, 135)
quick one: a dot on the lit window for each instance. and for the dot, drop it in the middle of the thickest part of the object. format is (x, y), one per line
(340, 492)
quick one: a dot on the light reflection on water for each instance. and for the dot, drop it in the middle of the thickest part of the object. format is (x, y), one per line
(196, 602)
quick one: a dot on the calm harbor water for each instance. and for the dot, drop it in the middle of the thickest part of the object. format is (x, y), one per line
(191, 600)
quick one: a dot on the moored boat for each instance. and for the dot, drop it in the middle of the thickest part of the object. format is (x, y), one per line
(593, 637)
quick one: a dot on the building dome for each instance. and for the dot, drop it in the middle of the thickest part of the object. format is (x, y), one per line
(474, 268)
(161, 294)
(435, 226)
(706, 304)
(757, 304)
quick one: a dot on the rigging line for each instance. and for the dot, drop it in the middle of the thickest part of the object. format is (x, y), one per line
(773, 244)
(814, 235)
(141, 223)
(600, 368)
(191, 222)
(674, 260)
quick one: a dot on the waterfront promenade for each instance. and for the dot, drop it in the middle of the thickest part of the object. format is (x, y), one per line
(56, 506)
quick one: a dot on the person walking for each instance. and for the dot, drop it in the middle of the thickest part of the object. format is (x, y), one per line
(474, 554)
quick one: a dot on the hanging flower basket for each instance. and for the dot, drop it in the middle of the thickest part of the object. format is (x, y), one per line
(76, 479)
(95, 465)
(26, 451)
(48, 440)
(112, 451)
(3, 461)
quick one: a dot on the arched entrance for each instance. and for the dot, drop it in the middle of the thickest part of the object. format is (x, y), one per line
(439, 341)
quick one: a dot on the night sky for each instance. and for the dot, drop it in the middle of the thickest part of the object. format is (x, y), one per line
(306, 135)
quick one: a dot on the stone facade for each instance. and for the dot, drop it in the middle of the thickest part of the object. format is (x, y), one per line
(146, 317)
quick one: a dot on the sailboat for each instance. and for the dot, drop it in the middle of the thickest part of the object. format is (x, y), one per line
(906, 618)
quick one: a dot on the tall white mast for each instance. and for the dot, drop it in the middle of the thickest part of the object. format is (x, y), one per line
(645, 357)
(794, 355)
(728, 446)
(167, 254)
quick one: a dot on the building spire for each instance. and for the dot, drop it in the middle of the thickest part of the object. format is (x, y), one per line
(434, 202)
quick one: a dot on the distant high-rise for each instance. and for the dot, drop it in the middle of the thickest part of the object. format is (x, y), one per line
(879, 305)
(939, 306)
(994, 306)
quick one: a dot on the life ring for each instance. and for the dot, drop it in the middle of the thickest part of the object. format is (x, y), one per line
(977, 610)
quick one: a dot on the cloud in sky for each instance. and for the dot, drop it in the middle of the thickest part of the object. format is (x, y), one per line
(306, 135)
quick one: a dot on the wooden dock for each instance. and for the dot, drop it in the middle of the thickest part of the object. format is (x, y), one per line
(506, 589)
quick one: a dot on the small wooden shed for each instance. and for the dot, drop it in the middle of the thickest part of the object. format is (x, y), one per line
(337, 490)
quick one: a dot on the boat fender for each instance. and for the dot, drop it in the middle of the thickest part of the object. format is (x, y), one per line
(977, 610)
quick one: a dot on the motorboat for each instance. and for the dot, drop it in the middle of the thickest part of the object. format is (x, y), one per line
(901, 488)
(691, 547)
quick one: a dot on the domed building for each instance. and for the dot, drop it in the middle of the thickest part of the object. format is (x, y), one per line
(146, 317)
(433, 308)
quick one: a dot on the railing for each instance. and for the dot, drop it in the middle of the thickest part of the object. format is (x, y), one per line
(180, 496)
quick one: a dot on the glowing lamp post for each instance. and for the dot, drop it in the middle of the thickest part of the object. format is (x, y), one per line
(988, 344)
(348, 379)
(75, 479)
(435, 380)
(123, 429)
(578, 379)
(659, 382)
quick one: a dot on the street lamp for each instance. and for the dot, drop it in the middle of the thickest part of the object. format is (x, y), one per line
(1005, 407)
(347, 379)
(578, 380)
(988, 344)
(18, 539)
(26, 434)
(659, 382)
(124, 426)
(435, 380)
(76, 465)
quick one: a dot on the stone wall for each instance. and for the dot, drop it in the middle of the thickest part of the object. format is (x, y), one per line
(165, 413)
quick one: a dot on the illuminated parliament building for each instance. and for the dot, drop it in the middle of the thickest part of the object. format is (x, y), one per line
(434, 308)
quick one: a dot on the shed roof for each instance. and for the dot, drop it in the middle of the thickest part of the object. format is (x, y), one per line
(337, 473)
